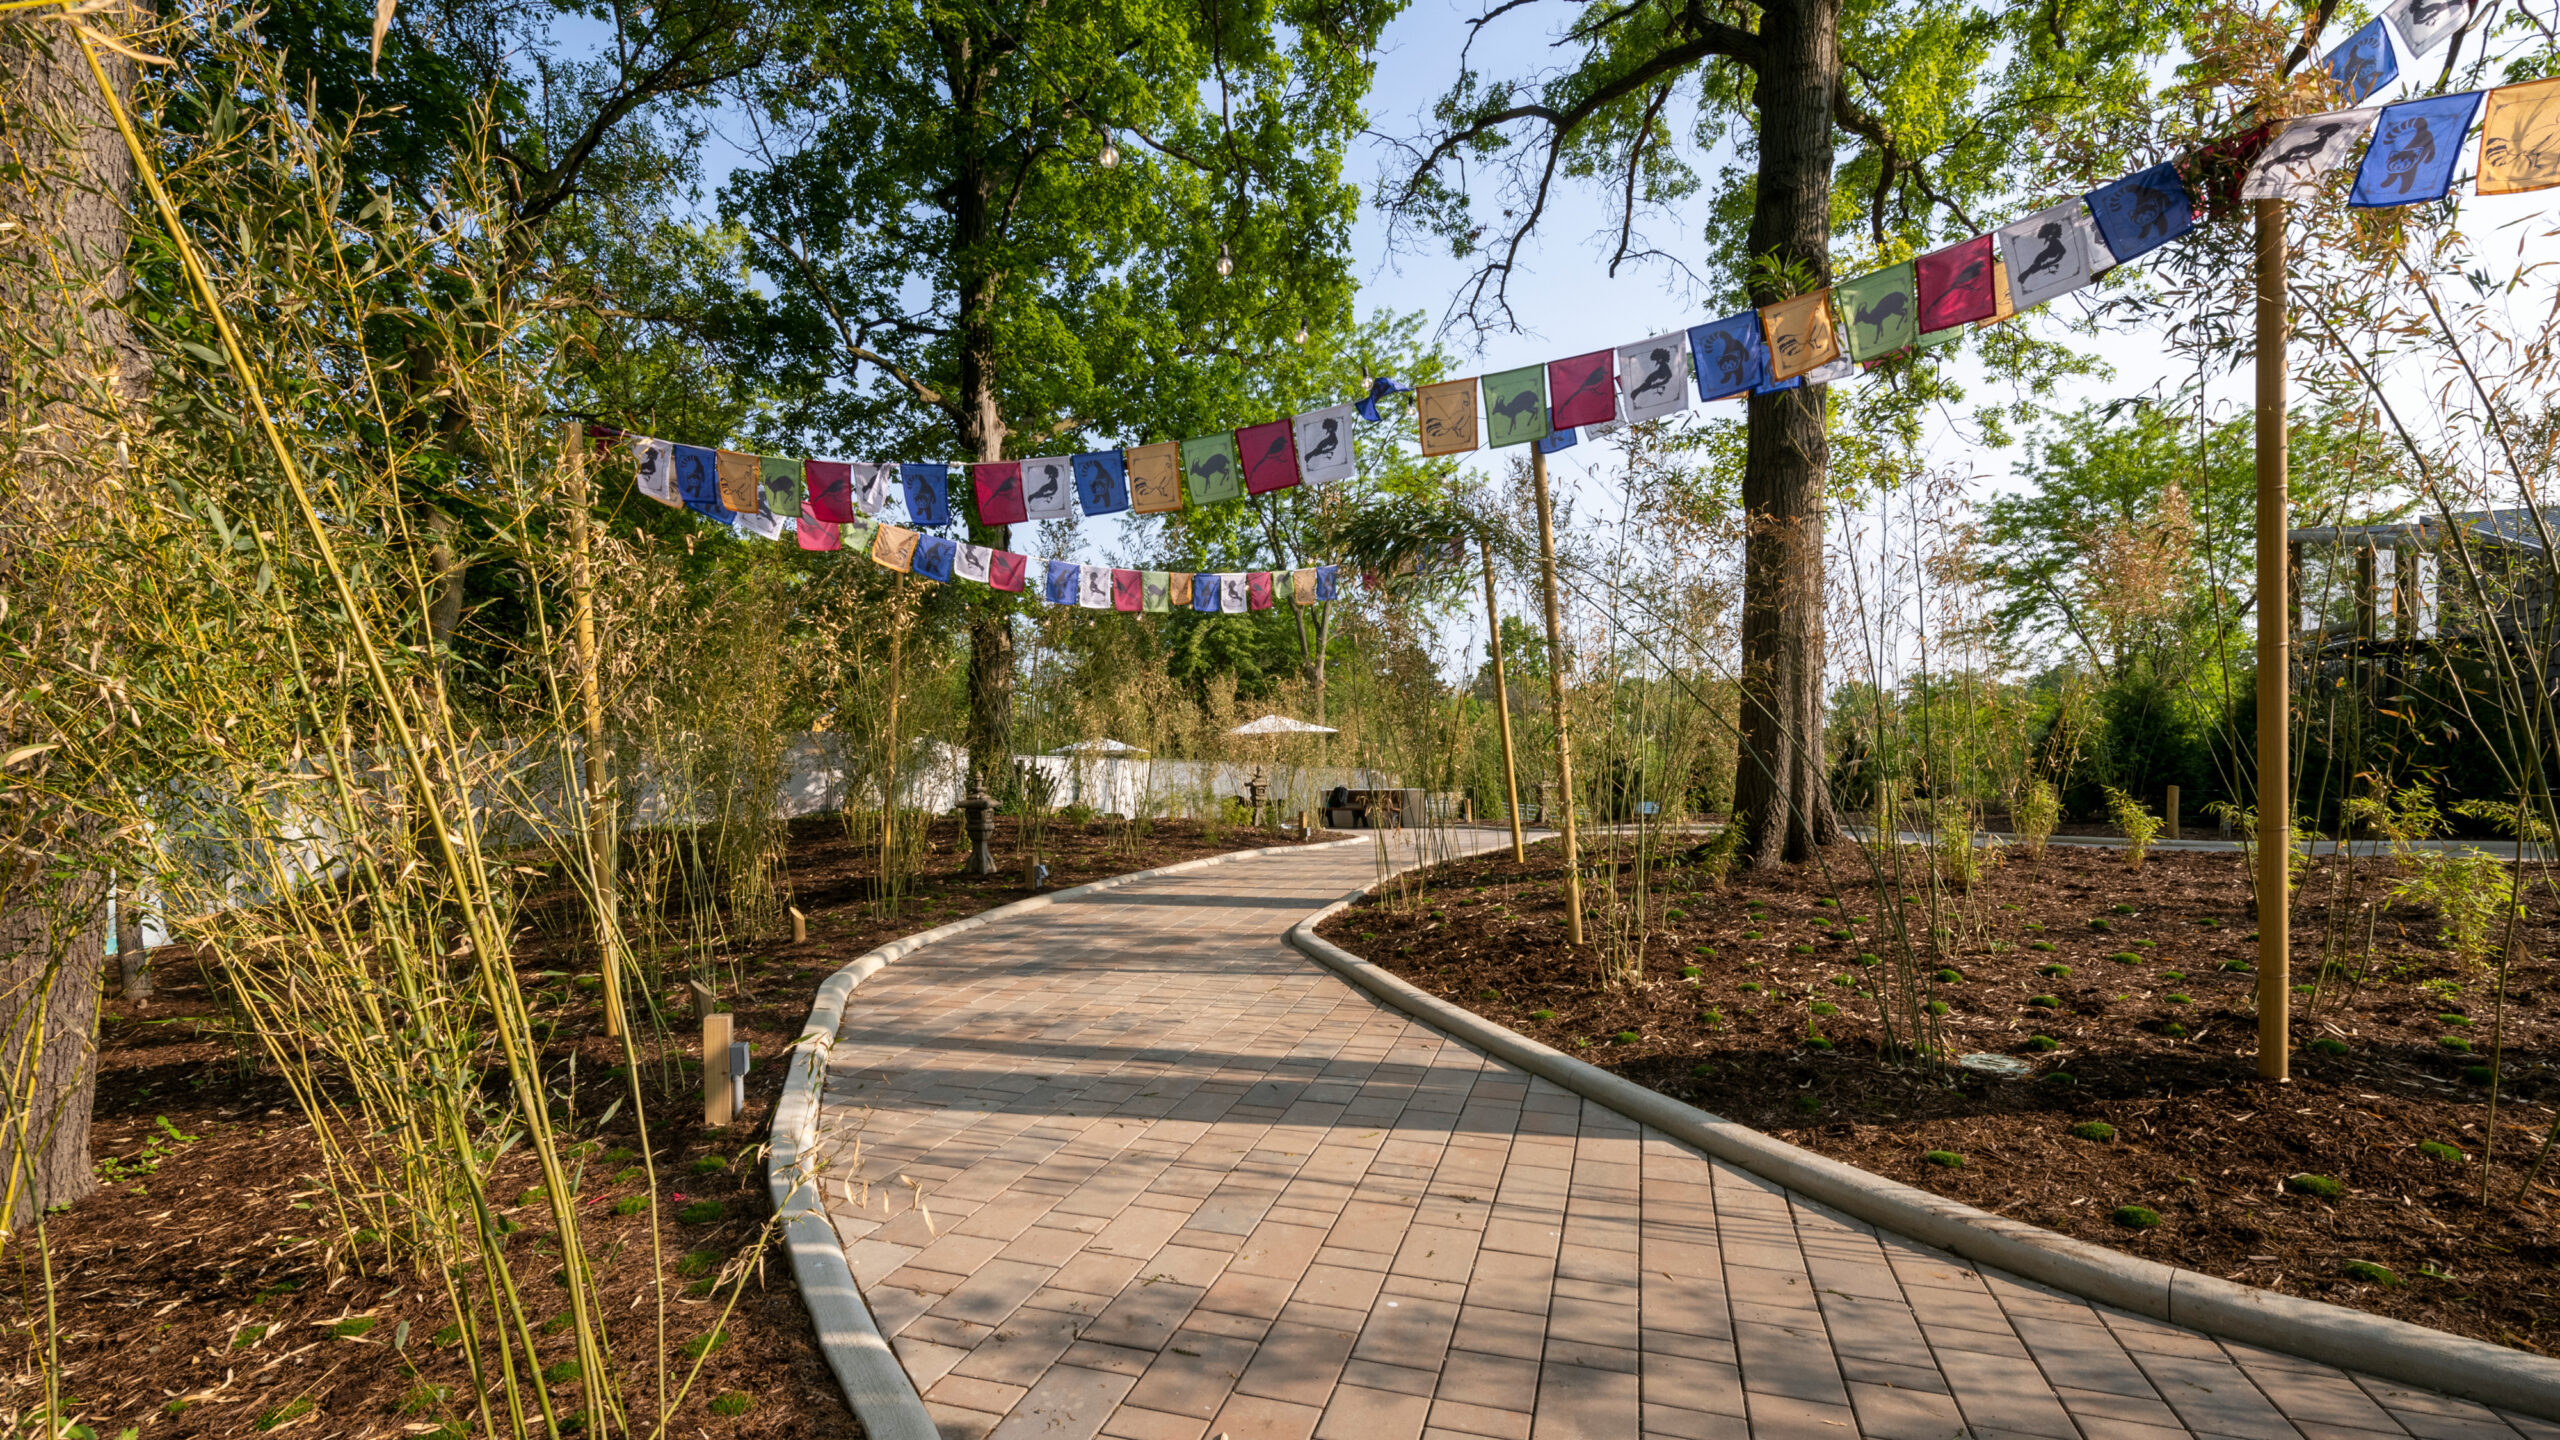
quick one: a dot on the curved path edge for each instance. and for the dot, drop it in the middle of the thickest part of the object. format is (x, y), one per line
(878, 1388)
(2373, 1344)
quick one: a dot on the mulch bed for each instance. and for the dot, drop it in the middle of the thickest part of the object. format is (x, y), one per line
(194, 1299)
(1754, 1003)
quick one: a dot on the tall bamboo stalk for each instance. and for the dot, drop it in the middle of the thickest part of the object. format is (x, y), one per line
(2275, 625)
(603, 831)
(1502, 705)
(1555, 691)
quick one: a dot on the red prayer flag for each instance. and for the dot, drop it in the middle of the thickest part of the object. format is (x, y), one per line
(1956, 285)
(1126, 593)
(1585, 390)
(1270, 455)
(1257, 589)
(999, 487)
(830, 491)
(817, 534)
(1004, 568)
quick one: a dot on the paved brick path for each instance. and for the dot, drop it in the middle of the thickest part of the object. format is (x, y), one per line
(1179, 1181)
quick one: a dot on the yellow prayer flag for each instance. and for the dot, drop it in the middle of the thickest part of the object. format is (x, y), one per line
(1448, 416)
(1801, 336)
(2520, 138)
(1155, 477)
(740, 475)
(895, 547)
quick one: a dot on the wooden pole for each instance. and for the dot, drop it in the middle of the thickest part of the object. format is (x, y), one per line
(2171, 829)
(716, 1033)
(603, 835)
(2275, 779)
(1555, 692)
(1502, 703)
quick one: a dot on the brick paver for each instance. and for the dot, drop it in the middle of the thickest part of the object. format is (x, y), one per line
(1131, 1167)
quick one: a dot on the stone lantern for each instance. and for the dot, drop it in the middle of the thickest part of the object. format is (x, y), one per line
(978, 818)
(1258, 792)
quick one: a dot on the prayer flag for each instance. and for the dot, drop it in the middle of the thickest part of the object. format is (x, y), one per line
(2303, 152)
(1102, 482)
(1005, 571)
(1257, 589)
(1585, 390)
(895, 547)
(778, 485)
(999, 487)
(1840, 368)
(1556, 440)
(1205, 591)
(817, 534)
(1302, 587)
(759, 524)
(1155, 478)
(2047, 255)
(1233, 596)
(830, 492)
(871, 485)
(1178, 587)
(973, 562)
(657, 462)
(1515, 406)
(1128, 591)
(2143, 211)
(856, 538)
(1446, 413)
(928, 487)
(2364, 64)
(2423, 24)
(1801, 336)
(1326, 577)
(738, 481)
(2520, 138)
(1270, 455)
(2416, 145)
(1157, 588)
(1210, 461)
(1049, 488)
(698, 481)
(1730, 354)
(1325, 451)
(1065, 583)
(935, 556)
(1380, 387)
(1651, 381)
(1877, 310)
(1093, 587)
(1955, 284)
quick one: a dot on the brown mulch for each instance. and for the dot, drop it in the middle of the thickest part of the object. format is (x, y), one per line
(204, 1288)
(2151, 1033)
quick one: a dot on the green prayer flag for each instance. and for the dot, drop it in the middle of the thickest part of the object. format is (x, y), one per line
(1515, 406)
(779, 479)
(1210, 462)
(1878, 311)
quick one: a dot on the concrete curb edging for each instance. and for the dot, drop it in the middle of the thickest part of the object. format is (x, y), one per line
(883, 1396)
(2330, 1334)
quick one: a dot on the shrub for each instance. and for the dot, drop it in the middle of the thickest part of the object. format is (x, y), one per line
(2318, 1187)
(2179, 1000)
(2101, 923)
(630, 1204)
(701, 1345)
(2454, 1043)
(732, 1405)
(2041, 1043)
(2138, 824)
(2470, 892)
(2094, 1130)
(2034, 816)
(1825, 1007)
(2040, 945)
(2045, 1002)
(1625, 1037)
(2329, 1045)
(702, 1212)
(1936, 1007)
(2126, 957)
(2460, 1020)
(1542, 1014)
(2438, 1150)
(709, 1165)
(1948, 977)
(2055, 970)
(2136, 1217)
(1945, 1159)
(2369, 1273)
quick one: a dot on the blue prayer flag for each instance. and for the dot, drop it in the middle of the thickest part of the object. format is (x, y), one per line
(2415, 147)
(698, 481)
(933, 558)
(1731, 355)
(1557, 440)
(1326, 579)
(1102, 482)
(1066, 579)
(2364, 64)
(1379, 389)
(928, 490)
(1204, 593)
(2143, 211)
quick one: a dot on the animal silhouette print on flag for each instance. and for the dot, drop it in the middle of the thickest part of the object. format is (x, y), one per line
(759, 524)
(2364, 64)
(778, 486)
(935, 556)
(1801, 336)
(856, 538)
(1731, 356)
(1955, 285)
(1877, 311)
(1583, 389)
(738, 482)
(2423, 24)
(1652, 382)
(999, 487)
(1210, 461)
(698, 481)
(2142, 212)
(1302, 587)
(1006, 571)
(1102, 482)
(1065, 582)
(2048, 255)
(1205, 591)
(1049, 488)
(1270, 454)
(928, 491)
(656, 460)
(1155, 588)
(1325, 451)
(870, 485)
(1326, 579)
(2291, 166)
(1177, 584)
(973, 562)
(2416, 145)
(1257, 590)
(894, 547)
(1515, 406)
(1556, 440)
(1093, 587)
(1155, 477)
(817, 534)
(1233, 595)
(2520, 138)
(1446, 414)
(1127, 591)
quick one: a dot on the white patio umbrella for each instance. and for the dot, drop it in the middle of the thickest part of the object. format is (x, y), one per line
(1282, 725)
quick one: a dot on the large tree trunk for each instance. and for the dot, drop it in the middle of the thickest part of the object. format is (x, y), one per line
(70, 199)
(974, 215)
(1779, 794)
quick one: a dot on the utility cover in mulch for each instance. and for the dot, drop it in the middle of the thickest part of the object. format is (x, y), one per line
(205, 1288)
(2123, 1003)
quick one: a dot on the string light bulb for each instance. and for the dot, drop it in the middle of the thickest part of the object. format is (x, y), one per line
(1226, 262)
(1109, 157)
(1302, 334)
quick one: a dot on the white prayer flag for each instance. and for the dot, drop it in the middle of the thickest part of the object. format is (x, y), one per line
(2292, 164)
(871, 483)
(2423, 24)
(2051, 253)
(657, 461)
(1325, 452)
(760, 523)
(972, 563)
(1653, 380)
(1094, 591)
(1049, 488)
(1231, 593)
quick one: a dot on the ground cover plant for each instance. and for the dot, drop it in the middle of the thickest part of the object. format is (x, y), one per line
(2132, 1045)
